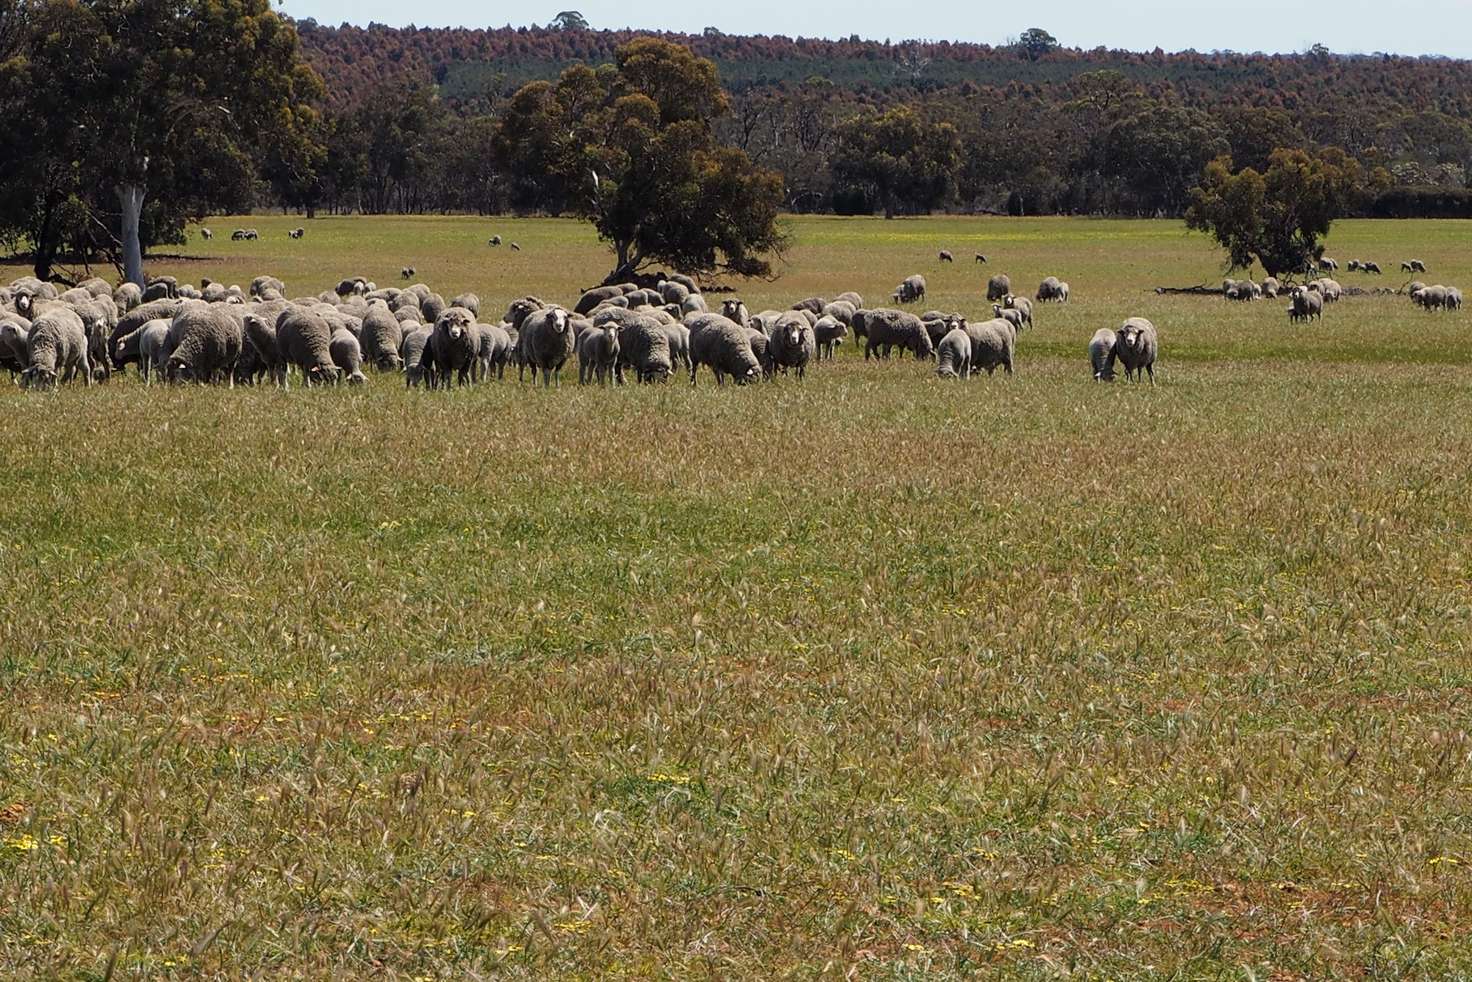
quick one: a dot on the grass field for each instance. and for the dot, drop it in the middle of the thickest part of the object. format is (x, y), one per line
(1026, 677)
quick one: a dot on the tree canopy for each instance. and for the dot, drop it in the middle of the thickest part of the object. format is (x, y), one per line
(630, 148)
(903, 163)
(140, 115)
(1277, 218)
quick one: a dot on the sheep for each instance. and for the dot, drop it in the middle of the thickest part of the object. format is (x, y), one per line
(262, 284)
(160, 291)
(1020, 304)
(912, 290)
(1013, 317)
(127, 296)
(759, 344)
(725, 346)
(206, 340)
(494, 240)
(454, 347)
(468, 301)
(848, 296)
(407, 272)
(643, 347)
(672, 292)
(1136, 348)
(206, 234)
(1052, 290)
(495, 349)
(1413, 266)
(1307, 305)
(304, 339)
(515, 247)
(735, 311)
(137, 317)
(953, 355)
(432, 306)
(356, 285)
(56, 349)
(590, 299)
(993, 345)
(1453, 298)
(829, 333)
(1431, 297)
(13, 353)
(261, 338)
(937, 324)
(946, 257)
(1101, 354)
(238, 235)
(815, 304)
(884, 329)
(598, 354)
(547, 343)
(1271, 287)
(297, 233)
(1330, 289)
(998, 287)
(417, 366)
(1327, 265)
(694, 304)
(347, 355)
(381, 338)
(1371, 268)
(980, 259)
(792, 344)
(840, 310)
(679, 338)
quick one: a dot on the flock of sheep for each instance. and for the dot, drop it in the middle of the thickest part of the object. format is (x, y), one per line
(1307, 301)
(220, 334)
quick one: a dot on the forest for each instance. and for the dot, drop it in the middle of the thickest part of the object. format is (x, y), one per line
(1026, 128)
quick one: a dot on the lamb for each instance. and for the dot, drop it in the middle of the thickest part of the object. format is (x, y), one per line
(993, 345)
(547, 343)
(884, 329)
(946, 257)
(644, 348)
(1101, 354)
(998, 287)
(260, 337)
(304, 339)
(417, 366)
(454, 347)
(912, 290)
(725, 346)
(953, 355)
(792, 344)
(829, 332)
(1137, 347)
(598, 354)
(347, 355)
(56, 349)
(381, 338)
(1052, 290)
(206, 340)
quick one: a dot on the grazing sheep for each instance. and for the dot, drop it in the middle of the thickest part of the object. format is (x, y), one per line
(408, 272)
(56, 349)
(515, 247)
(1352, 265)
(418, 367)
(644, 349)
(304, 339)
(1101, 354)
(849, 296)
(998, 287)
(1371, 268)
(381, 337)
(1052, 290)
(1327, 265)
(598, 354)
(1271, 287)
(1413, 266)
(953, 355)
(1020, 304)
(547, 343)
(590, 299)
(347, 355)
(431, 307)
(1013, 317)
(137, 317)
(1329, 289)
(1431, 297)
(725, 346)
(679, 339)
(672, 292)
(494, 240)
(260, 337)
(912, 290)
(980, 259)
(946, 257)
(840, 310)
(815, 304)
(993, 345)
(206, 234)
(884, 329)
(791, 344)
(454, 347)
(127, 296)
(13, 353)
(829, 332)
(261, 285)
(206, 340)
(694, 304)
(296, 233)
(1136, 348)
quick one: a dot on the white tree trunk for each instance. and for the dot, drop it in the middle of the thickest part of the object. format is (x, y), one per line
(131, 196)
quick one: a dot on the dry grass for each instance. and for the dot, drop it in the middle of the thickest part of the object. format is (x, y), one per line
(1030, 677)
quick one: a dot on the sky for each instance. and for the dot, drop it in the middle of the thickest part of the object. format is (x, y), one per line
(1412, 27)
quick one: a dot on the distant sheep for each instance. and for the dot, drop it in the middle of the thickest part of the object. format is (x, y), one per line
(1052, 290)
(946, 257)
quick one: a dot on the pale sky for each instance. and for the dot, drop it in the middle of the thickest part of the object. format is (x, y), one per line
(1412, 27)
